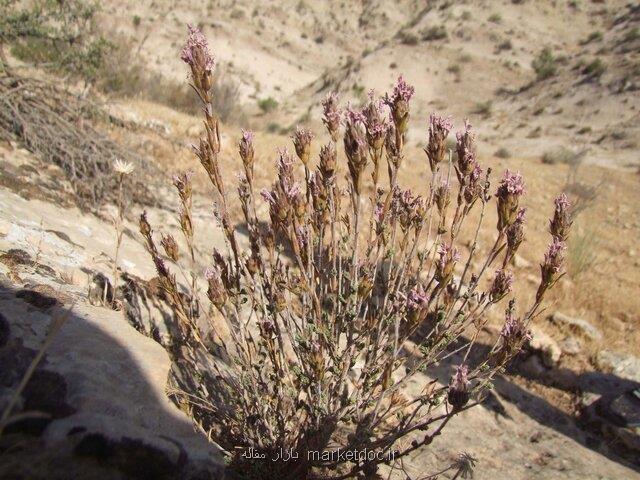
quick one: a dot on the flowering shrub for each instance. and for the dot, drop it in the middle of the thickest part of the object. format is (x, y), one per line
(321, 307)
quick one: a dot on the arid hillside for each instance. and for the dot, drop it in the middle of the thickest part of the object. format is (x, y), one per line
(468, 59)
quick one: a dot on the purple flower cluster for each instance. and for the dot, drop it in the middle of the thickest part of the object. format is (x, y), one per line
(514, 330)
(331, 115)
(402, 91)
(501, 286)
(196, 51)
(375, 122)
(458, 394)
(511, 184)
(417, 298)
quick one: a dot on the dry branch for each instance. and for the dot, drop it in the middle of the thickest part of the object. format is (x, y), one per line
(59, 127)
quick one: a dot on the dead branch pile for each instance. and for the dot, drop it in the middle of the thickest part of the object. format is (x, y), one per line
(61, 128)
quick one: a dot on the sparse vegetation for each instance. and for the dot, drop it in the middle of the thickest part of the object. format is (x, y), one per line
(593, 37)
(545, 64)
(631, 35)
(582, 253)
(595, 69)
(57, 35)
(483, 108)
(502, 153)
(561, 155)
(408, 38)
(436, 32)
(495, 18)
(268, 104)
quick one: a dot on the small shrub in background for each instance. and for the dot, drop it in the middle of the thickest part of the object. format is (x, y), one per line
(268, 104)
(483, 108)
(502, 153)
(454, 68)
(593, 37)
(495, 18)
(136, 20)
(57, 35)
(336, 284)
(582, 252)
(560, 155)
(408, 38)
(632, 35)
(545, 64)
(595, 69)
(237, 13)
(436, 32)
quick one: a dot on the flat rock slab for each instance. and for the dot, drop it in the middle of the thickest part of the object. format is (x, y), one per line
(105, 390)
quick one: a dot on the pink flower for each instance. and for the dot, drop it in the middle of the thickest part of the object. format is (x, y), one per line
(458, 394)
(514, 330)
(511, 184)
(501, 286)
(353, 117)
(440, 124)
(417, 298)
(196, 50)
(402, 91)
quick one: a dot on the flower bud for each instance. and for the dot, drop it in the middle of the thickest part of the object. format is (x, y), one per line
(182, 182)
(439, 128)
(465, 148)
(399, 104)
(355, 146)
(170, 247)
(458, 394)
(515, 232)
(501, 286)
(509, 192)
(145, 228)
(375, 123)
(216, 292)
(448, 256)
(328, 163)
(245, 148)
(552, 267)
(332, 115)
(561, 222)
(302, 143)
(196, 54)
(417, 305)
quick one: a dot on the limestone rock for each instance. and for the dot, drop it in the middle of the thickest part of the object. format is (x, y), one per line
(570, 345)
(623, 365)
(577, 325)
(545, 346)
